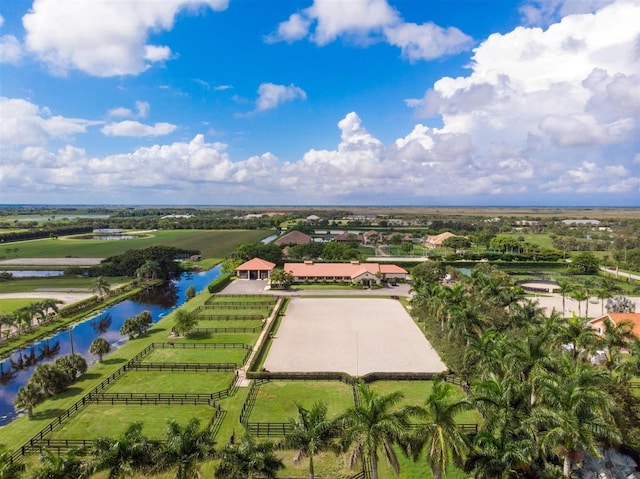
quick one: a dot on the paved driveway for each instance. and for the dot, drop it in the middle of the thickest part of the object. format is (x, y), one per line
(246, 286)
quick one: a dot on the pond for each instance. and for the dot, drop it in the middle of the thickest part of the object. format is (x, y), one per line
(34, 274)
(16, 370)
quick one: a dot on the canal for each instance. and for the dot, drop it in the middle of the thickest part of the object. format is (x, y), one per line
(16, 370)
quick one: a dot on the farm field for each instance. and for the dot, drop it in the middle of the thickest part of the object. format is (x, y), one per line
(201, 382)
(211, 243)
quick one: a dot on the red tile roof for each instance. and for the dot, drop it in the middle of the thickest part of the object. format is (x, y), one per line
(309, 269)
(617, 318)
(256, 264)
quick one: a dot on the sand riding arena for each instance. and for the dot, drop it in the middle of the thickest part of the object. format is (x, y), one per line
(356, 336)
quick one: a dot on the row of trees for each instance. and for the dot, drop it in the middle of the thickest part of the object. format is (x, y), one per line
(49, 379)
(25, 318)
(545, 403)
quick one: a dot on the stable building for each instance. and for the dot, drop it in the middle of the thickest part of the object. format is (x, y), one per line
(255, 268)
(367, 274)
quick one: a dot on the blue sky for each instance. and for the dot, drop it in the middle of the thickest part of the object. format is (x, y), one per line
(334, 102)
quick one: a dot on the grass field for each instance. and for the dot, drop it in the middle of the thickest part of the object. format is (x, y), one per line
(199, 355)
(99, 420)
(10, 305)
(57, 283)
(201, 382)
(276, 400)
(211, 243)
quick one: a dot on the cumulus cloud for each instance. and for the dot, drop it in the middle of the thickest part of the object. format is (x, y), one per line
(24, 123)
(368, 20)
(102, 38)
(142, 111)
(135, 128)
(271, 95)
(551, 97)
(10, 50)
(545, 12)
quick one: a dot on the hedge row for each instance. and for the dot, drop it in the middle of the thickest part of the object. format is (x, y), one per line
(219, 283)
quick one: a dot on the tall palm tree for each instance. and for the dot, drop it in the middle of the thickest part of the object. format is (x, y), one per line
(437, 431)
(100, 347)
(579, 295)
(149, 270)
(5, 320)
(575, 413)
(186, 446)
(311, 432)
(100, 286)
(579, 335)
(616, 337)
(565, 289)
(248, 460)
(374, 424)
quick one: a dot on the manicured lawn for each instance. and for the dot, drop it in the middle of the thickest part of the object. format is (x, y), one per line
(276, 400)
(11, 305)
(236, 323)
(240, 299)
(416, 392)
(200, 382)
(195, 356)
(211, 243)
(222, 312)
(242, 338)
(99, 420)
(54, 284)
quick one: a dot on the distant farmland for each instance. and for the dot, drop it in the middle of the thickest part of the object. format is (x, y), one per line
(211, 243)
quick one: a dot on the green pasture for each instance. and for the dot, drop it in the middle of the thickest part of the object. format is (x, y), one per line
(213, 299)
(236, 323)
(187, 382)
(9, 306)
(211, 244)
(221, 311)
(57, 283)
(276, 400)
(200, 355)
(198, 337)
(100, 420)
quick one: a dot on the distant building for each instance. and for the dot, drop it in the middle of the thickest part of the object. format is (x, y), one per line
(346, 237)
(312, 218)
(108, 231)
(581, 222)
(437, 240)
(293, 237)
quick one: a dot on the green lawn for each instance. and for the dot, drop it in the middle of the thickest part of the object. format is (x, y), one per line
(276, 400)
(58, 283)
(211, 243)
(99, 420)
(195, 356)
(10, 305)
(201, 382)
(237, 323)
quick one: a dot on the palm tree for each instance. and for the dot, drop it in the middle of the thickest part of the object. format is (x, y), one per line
(28, 397)
(565, 289)
(579, 295)
(9, 469)
(438, 431)
(100, 286)
(186, 445)
(616, 337)
(582, 338)
(248, 460)
(374, 424)
(127, 455)
(149, 270)
(574, 414)
(100, 347)
(311, 432)
(65, 466)
(5, 320)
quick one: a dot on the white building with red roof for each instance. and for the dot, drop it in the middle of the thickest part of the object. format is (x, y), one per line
(354, 272)
(255, 268)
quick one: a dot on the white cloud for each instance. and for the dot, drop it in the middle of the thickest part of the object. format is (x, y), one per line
(10, 50)
(223, 87)
(24, 123)
(545, 12)
(102, 38)
(142, 111)
(135, 128)
(552, 98)
(271, 95)
(1, 21)
(366, 21)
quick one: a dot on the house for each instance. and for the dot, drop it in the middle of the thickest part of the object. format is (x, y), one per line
(346, 237)
(293, 237)
(437, 240)
(312, 218)
(616, 318)
(371, 237)
(366, 274)
(255, 268)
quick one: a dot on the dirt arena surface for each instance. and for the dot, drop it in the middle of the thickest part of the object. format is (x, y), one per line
(51, 262)
(355, 336)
